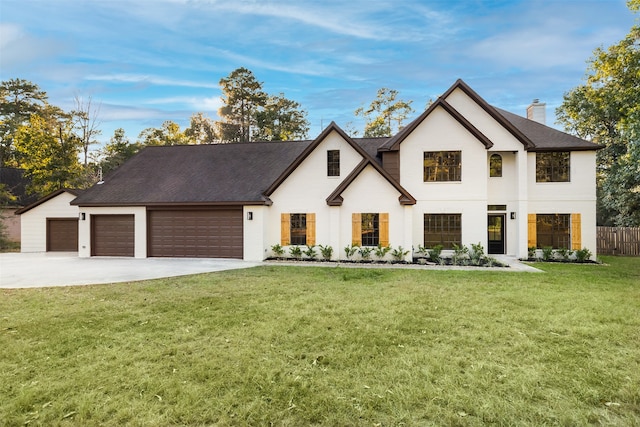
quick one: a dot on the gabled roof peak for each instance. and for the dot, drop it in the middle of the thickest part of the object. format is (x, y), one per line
(394, 143)
(333, 127)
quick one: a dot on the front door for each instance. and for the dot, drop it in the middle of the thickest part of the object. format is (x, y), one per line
(496, 233)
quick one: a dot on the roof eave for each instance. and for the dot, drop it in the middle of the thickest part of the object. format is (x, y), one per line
(72, 191)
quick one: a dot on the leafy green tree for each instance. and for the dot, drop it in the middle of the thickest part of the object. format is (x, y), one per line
(48, 150)
(168, 134)
(116, 152)
(243, 96)
(19, 99)
(385, 114)
(281, 120)
(606, 110)
(201, 130)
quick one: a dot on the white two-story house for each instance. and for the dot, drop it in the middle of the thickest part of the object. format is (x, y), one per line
(463, 172)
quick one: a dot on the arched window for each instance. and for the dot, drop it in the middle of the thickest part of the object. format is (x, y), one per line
(495, 165)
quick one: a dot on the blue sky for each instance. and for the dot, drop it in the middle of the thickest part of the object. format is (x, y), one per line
(148, 61)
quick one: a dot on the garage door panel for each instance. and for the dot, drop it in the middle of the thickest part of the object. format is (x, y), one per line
(62, 234)
(210, 233)
(112, 235)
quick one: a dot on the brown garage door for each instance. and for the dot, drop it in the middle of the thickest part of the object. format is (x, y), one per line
(112, 235)
(206, 233)
(62, 234)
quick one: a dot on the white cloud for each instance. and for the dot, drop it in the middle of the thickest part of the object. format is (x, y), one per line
(148, 79)
(19, 47)
(194, 103)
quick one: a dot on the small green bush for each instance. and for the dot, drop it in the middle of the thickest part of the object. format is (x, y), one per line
(399, 253)
(365, 252)
(435, 253)
(326, 252)
(295, 251)
(381, 251)
(460, 255)
(547, 253)
(476, 254)
(310, 252)
(583, 255)
(277, 250)
(422, 251)
(350, 250)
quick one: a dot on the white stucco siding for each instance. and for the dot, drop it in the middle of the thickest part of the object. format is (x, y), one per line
(371, 193)
(582, 184)
(505, 188)
(309, 183)
(33, 223)
(502, 139)
(255, 238)
(441, 132)
(140, 231)
(306, 191)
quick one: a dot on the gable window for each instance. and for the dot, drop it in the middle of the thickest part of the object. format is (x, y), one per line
(298, 229)
(553, 166)
(370, 229)
(333, 163)
(495, 166)
(553, 230)
(442, 229)
(442, 166)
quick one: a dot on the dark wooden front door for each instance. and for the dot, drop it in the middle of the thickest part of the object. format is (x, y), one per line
(496, 233)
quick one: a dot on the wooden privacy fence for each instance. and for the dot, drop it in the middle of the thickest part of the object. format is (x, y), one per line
(618, 241)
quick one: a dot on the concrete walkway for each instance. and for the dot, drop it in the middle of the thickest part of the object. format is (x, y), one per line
(32, 270)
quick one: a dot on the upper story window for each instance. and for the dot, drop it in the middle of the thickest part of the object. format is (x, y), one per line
(333, 163)
(553, 166)
(495, 166)
(442, 166)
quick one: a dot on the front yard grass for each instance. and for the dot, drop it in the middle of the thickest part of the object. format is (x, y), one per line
(293, 346)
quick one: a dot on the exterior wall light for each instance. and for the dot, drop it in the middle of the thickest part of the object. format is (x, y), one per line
(249, 216)
(513, 215)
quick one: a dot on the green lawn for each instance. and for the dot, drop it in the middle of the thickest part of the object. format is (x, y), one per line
(297, 346)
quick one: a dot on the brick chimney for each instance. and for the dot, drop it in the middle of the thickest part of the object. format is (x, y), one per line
(536, 111)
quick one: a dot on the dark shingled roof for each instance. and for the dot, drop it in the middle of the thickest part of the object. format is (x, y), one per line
(195, 174)
(371, 146)
(545, 138)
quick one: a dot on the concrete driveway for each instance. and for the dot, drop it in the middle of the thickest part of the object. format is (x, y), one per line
(32, 270)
